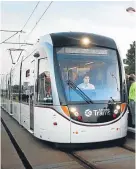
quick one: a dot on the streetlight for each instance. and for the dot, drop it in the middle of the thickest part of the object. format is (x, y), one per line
(130, 9)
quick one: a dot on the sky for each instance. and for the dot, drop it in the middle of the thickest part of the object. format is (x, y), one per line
(108, 18)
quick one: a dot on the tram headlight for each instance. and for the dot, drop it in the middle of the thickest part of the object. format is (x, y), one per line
(72, 109)
(85, 41)
(118, 107)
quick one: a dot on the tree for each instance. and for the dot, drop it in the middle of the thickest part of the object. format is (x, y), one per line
(130, 61)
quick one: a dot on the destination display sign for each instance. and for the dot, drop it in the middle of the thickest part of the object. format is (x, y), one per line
(93, 51)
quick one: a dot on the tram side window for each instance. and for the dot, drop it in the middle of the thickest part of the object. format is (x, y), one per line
(44, 93)
(26, 86)
(2, 91)
(25, 92)
(15, 90)
(5, 88)
(15, 84)
(8, 89)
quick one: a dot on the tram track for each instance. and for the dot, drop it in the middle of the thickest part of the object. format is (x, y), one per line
(82, 161)
(128, 148)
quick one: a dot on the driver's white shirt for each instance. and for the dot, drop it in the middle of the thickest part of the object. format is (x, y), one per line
(86, 86)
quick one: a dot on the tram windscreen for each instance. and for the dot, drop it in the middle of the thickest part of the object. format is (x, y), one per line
(94, 71)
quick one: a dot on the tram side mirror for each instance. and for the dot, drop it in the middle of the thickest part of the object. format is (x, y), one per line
(124, 61)
(36, 55)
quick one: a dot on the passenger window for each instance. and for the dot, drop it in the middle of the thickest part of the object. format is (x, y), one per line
(44, 93)
(15, 84)
(25, 92)
(28, 73)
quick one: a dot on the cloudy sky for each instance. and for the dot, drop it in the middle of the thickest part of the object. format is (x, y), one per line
(100, 17)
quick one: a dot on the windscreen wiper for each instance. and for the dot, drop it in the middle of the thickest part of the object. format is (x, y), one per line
(80, 92)
(112, 100)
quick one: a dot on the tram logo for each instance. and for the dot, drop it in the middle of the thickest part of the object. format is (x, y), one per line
(88, 113)
(99, 112)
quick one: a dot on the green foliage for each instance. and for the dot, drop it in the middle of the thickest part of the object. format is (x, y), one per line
(130, 69)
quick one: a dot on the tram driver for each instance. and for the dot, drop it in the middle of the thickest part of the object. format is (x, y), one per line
(86, 84)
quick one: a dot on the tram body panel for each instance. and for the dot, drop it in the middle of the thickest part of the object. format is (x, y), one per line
(25, 110)
(25, 116)
(45, 129)
(16, 110)
(8, 106)
(124, 124)
(88, 134)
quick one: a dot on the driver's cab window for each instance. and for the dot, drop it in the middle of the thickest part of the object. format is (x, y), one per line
(86, 77)
(96, 75)
(44, 83)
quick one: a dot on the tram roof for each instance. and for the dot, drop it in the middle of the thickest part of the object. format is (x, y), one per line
(74, 38)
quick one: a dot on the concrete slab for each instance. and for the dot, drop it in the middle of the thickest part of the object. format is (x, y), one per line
(9, 156)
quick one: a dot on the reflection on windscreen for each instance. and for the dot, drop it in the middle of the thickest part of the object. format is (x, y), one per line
(94, 71)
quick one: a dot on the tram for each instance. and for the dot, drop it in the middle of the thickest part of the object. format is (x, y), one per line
(70, 88)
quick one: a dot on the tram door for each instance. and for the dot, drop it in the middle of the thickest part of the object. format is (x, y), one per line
(31, 96)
